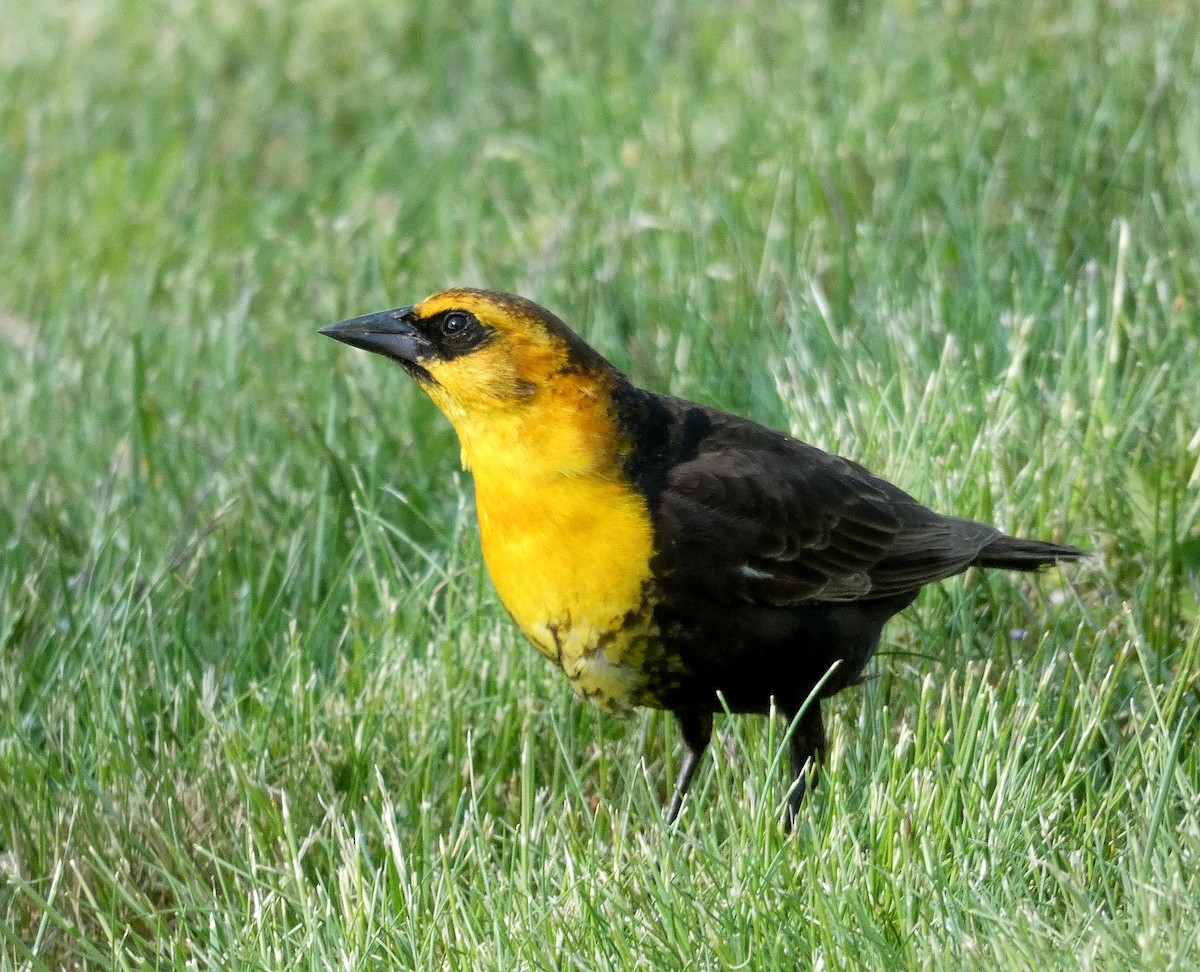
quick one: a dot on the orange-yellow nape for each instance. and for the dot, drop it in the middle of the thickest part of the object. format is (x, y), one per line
(524, 347)
(530, 396)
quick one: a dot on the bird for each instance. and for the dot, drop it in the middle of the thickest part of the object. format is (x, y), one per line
(663, 553)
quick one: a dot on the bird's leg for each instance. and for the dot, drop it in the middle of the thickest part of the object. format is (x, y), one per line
(697, 731)
(807, 748)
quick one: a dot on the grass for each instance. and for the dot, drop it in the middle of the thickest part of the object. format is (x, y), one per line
(259, 707)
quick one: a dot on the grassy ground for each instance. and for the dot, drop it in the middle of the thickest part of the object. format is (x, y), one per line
(259, 707)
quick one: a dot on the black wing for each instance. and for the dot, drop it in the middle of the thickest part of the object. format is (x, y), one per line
(740, 509)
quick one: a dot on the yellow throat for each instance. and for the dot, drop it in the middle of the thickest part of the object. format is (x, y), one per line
(567, 540)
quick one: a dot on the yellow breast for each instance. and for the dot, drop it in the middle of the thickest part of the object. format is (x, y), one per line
(571, 563)
(567, 540)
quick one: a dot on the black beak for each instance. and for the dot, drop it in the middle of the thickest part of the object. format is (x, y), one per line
(389, 333)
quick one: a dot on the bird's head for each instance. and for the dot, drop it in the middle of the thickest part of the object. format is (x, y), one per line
(486, 359)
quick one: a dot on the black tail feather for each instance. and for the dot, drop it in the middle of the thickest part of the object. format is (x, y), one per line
(1014, 553)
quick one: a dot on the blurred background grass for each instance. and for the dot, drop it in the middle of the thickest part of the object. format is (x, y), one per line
(258, 703)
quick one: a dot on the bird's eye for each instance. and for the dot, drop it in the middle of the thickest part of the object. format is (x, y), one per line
(455, 322)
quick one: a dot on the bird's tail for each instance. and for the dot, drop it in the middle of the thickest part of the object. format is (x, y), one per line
(1014, 553)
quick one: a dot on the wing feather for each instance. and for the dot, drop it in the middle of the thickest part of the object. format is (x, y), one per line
(780, 522)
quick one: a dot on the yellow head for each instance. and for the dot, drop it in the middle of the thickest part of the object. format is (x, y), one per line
(508, 374)
(567, 538)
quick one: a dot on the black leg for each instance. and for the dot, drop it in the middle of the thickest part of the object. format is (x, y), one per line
(808, 745)
(697, 731)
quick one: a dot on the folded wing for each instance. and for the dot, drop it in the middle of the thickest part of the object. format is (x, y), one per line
(780, 522)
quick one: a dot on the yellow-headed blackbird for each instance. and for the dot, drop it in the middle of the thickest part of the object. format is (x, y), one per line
(664, 553)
